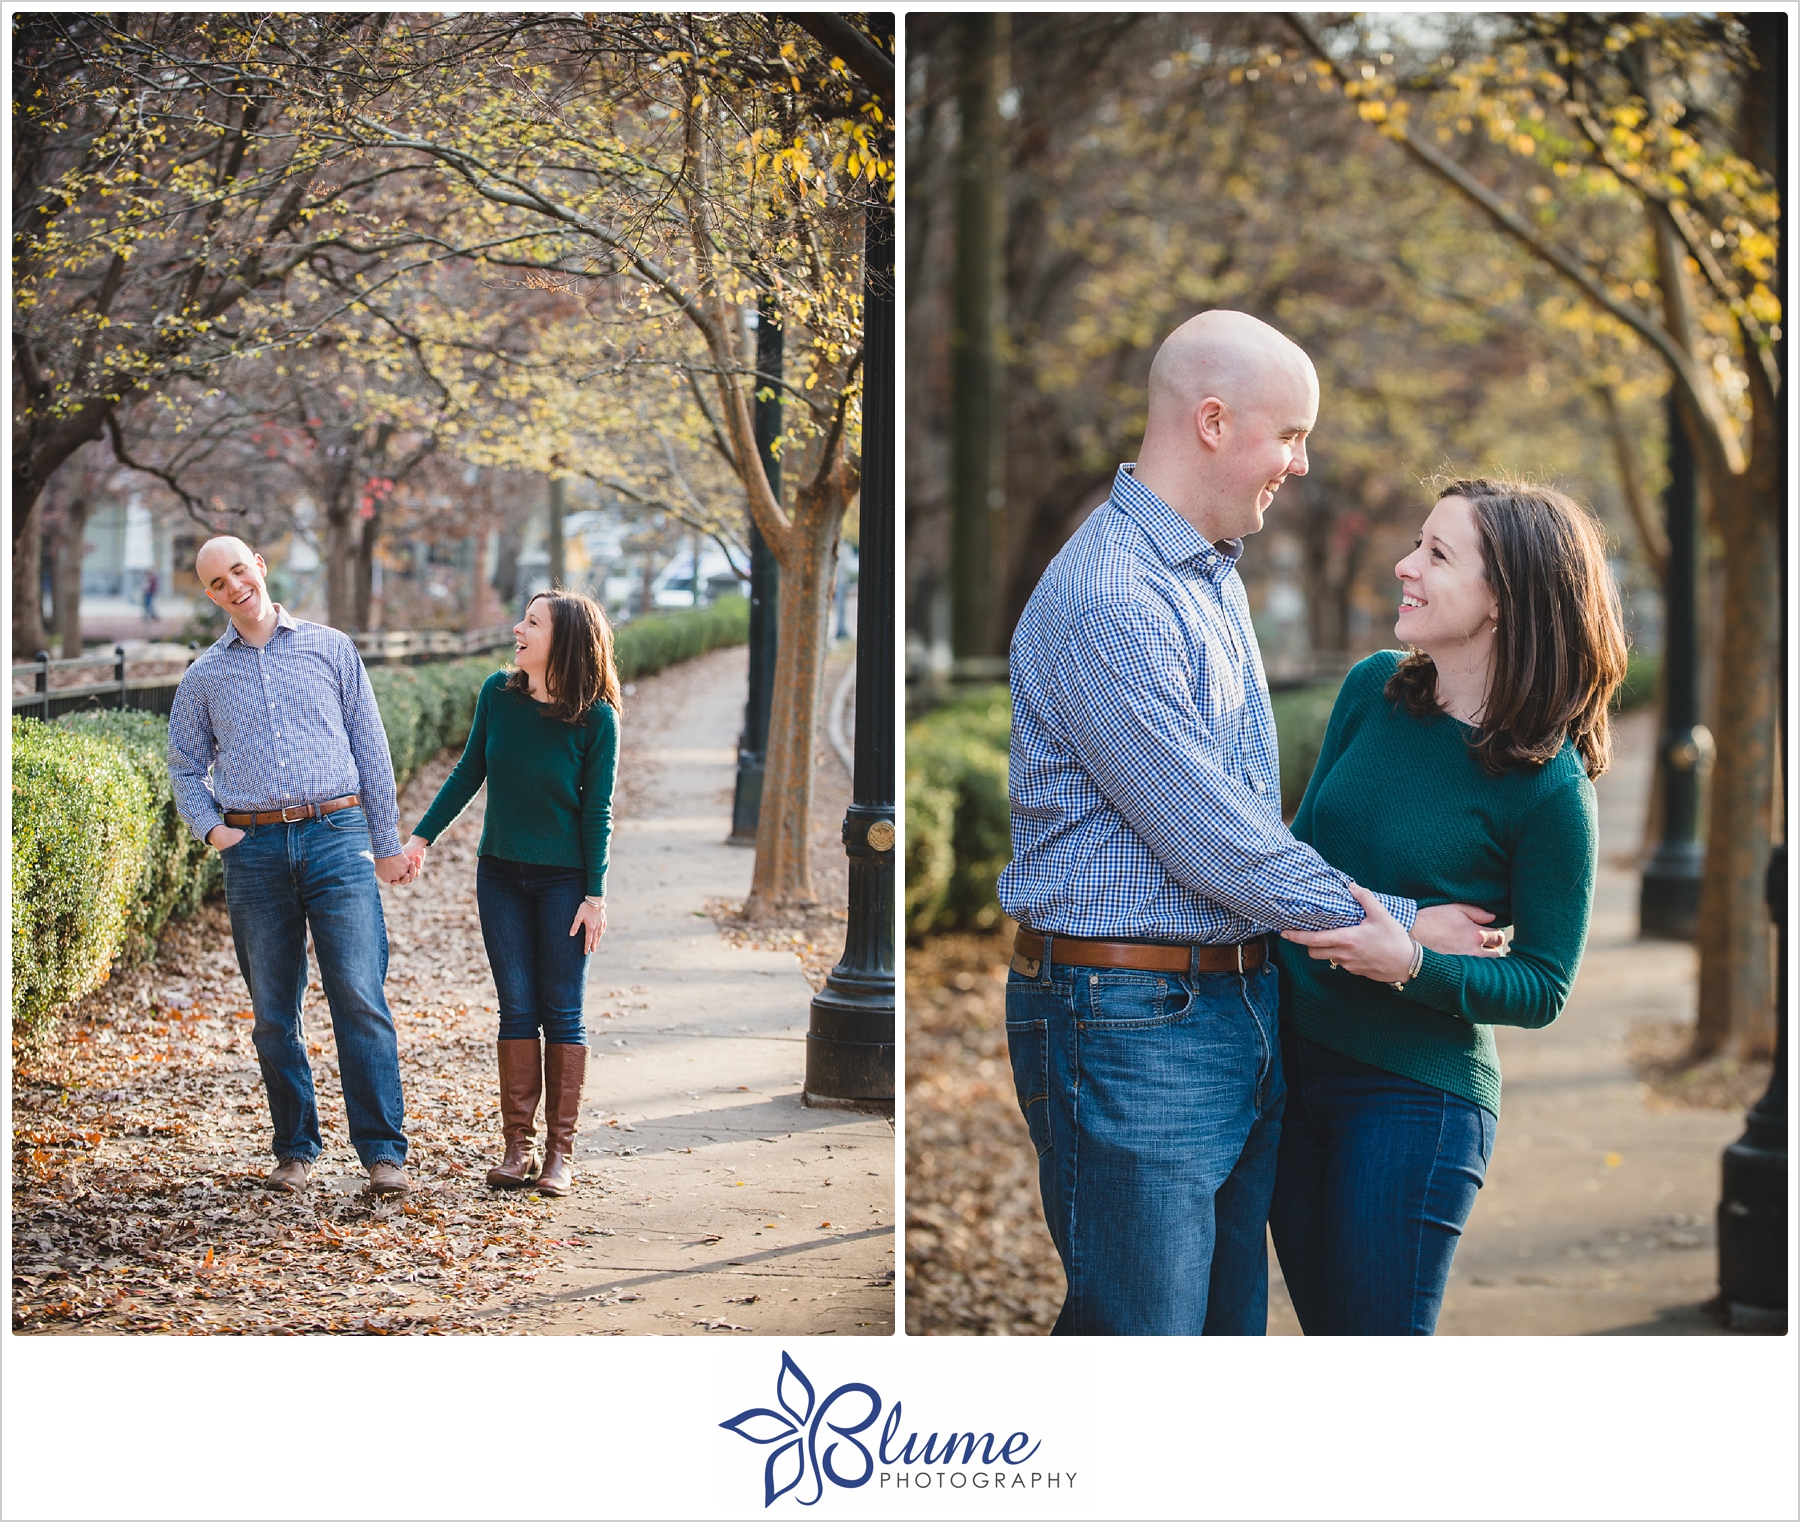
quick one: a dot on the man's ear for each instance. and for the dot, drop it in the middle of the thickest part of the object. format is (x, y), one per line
(1210, 420)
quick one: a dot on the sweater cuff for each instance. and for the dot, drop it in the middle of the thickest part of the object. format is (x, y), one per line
(596, 884)
(1439, 983)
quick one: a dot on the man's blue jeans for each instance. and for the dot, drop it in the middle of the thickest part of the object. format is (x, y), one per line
(1378, 1173)
(540, 970)
(1154, 1102)
(281, 880)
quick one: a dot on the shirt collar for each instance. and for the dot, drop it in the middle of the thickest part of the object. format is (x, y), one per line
(283, 620)
(1175, 539)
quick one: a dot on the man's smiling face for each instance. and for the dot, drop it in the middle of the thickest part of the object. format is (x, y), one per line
(236, 579)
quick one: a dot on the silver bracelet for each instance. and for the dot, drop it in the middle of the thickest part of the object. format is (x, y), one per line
(599, 902)
(1418, 961)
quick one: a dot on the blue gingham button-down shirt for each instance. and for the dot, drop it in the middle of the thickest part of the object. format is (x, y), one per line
(1145, 782)
(294, 722)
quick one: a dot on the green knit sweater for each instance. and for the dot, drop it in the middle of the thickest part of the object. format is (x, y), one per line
(1402, 806)
(550, 783)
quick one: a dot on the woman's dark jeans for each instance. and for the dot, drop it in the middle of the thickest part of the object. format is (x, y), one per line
(1376, 1176)
(540, 970)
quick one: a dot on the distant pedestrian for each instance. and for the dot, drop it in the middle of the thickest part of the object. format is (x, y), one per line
(546, 741)
(150, 586)
(280, 762)
(1459, 769)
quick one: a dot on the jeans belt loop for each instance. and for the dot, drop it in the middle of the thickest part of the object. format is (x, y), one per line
(1194, 962)
(1044, 969)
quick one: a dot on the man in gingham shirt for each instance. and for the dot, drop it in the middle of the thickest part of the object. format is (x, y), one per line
(279, 760)
(1150, 860)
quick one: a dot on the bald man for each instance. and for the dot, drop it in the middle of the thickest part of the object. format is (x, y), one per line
(1150, 862)
(280, 762)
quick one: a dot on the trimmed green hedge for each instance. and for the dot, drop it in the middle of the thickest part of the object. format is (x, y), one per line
(101, 859)
(179, 870)
(81, 825)
(649, 643)
(958, 824)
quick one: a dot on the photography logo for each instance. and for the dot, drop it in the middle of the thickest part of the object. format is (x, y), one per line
(815, 1442)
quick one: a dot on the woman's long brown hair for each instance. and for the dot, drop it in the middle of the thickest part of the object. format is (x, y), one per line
(580, 671)
(1560, 652)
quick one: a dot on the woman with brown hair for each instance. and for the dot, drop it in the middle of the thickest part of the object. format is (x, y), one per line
(1458, 772)
(546, 741)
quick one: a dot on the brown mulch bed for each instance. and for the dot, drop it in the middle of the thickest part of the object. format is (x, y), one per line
(979, 1260)
(1661, 1053)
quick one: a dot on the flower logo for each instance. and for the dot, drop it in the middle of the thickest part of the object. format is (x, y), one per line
(792, 1429)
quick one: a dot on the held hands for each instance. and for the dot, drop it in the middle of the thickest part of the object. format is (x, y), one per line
(395, 870)
(591, 919)
(1379, 948)
(414, 852)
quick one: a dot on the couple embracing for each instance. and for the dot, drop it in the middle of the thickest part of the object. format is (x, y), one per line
(1216, 1024)
(280, 762)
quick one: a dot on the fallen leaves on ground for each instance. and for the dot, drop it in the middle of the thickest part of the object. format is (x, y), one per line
(978, 1256)
(1660, 1053)
(141, 1135)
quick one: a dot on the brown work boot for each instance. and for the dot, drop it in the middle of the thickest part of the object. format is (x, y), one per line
(521, 1085)
(564, 1069)
(288, 1176)
(387, 1178)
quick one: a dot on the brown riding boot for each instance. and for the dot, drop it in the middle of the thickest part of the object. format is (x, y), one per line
(564, 1069)
(521, 1083)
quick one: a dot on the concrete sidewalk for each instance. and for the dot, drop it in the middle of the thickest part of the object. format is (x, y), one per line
(1597, 1213)
(710, 1198)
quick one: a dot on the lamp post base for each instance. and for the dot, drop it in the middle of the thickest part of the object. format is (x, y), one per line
(1669, 901)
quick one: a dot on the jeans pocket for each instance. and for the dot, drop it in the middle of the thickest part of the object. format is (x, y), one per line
(346, 821)
(1028, 1044)
(1123, 1001)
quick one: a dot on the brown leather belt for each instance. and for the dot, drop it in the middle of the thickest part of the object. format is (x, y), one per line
(1135, 956)
(293, 814)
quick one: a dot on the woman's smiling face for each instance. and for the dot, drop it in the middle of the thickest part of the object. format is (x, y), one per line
(1445, 600)
(531, 639)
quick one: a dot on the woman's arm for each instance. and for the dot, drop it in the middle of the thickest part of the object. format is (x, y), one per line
(471, 771)
(1552, 894)
(599, 771)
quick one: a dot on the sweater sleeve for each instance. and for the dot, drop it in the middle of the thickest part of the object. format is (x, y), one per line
(1552, 892)
(471, 771)
(599, 770)
(1339, 729)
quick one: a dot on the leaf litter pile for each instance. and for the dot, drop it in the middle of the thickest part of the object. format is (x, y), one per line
(141, 1135)
(979, 1260)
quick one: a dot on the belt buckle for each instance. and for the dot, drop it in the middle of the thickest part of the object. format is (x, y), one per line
(288, 816)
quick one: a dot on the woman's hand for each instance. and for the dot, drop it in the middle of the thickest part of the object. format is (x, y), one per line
(414, 852)
(1456, 930)
(591, 918)
(1377, 948)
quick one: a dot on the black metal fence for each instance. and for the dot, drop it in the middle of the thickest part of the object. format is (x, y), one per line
(156, 694)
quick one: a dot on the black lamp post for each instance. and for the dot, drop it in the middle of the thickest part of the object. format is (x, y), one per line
(850, 1037)
(765, 586)
(1669, 901)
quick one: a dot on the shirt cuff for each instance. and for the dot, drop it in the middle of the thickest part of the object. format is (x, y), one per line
(1405, 910)
(206, 827)
(392, 842)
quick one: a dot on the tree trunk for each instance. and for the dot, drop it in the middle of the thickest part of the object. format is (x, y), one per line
(365, 565)
(783, 875)
(29, 634)
(68, 574)
(341, 534)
